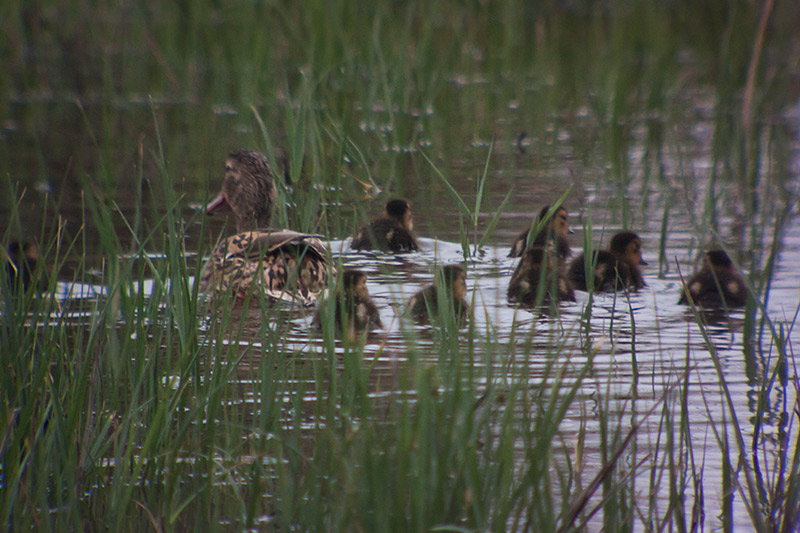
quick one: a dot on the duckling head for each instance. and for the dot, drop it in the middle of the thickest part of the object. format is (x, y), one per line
(718, 259)
(627, 247)
(454, 279)
(558, 223)
(355, 282)
(399, 209)
(248, 190)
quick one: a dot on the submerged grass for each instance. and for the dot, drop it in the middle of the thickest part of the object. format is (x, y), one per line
(145, 406)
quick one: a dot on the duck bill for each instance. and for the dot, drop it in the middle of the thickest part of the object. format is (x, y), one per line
(642, 262)
(218, 205)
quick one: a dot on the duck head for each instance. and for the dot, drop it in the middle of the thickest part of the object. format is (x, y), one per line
(248, 191)
(627, 247)
(454, 279)
(399, 209)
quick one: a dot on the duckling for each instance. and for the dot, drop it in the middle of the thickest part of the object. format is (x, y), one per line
(392, 232)
(615, 269)
(556, 230)
(717, 284)
(354, 310)
(450, 287)
(539, 267)
(279, 261)
(21, 264)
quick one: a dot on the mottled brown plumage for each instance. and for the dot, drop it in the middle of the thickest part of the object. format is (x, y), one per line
(717, 284)
(615, 269)
(449, 288)
(556, 230)
(354, 310)
(393, 232)
(280, 262)
(539, 279)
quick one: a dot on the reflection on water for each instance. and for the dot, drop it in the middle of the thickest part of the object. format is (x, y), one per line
(642, 344)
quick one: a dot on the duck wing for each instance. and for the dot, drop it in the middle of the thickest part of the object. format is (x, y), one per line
(273, 241)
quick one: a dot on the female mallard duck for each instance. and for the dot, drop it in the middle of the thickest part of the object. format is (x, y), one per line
(556, 230)
(539, 268)
(354, 311)
(717, 284)
(392, 232)
(449, 288)
(615, 269)
(281, 262)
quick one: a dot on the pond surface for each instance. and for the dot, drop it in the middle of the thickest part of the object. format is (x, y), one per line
(669, 345)
(643, 346)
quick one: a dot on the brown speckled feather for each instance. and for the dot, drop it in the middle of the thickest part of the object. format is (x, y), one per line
(280, 262)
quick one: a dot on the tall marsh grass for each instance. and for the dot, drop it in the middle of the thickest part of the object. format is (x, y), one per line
(134, 403)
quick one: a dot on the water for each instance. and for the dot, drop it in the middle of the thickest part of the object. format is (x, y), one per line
(647, 346)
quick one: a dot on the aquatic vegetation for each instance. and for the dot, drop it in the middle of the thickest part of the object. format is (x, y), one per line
(130, 401)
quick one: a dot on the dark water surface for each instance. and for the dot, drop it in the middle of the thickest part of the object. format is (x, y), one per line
(646, 344)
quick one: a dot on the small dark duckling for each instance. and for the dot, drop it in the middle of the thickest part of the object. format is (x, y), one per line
(281, 261)
(450, 287)
(556, 230)
(615, 269)
(717, 284)
(390, 233)
(539, 267)
(354, 311)
(21, 265)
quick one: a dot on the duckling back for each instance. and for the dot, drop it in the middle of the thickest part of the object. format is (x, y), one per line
(386, 235)
(717, 284)
(354, 311)
(449, 289)
(393, 232)
(612, 270)
(539, 279)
